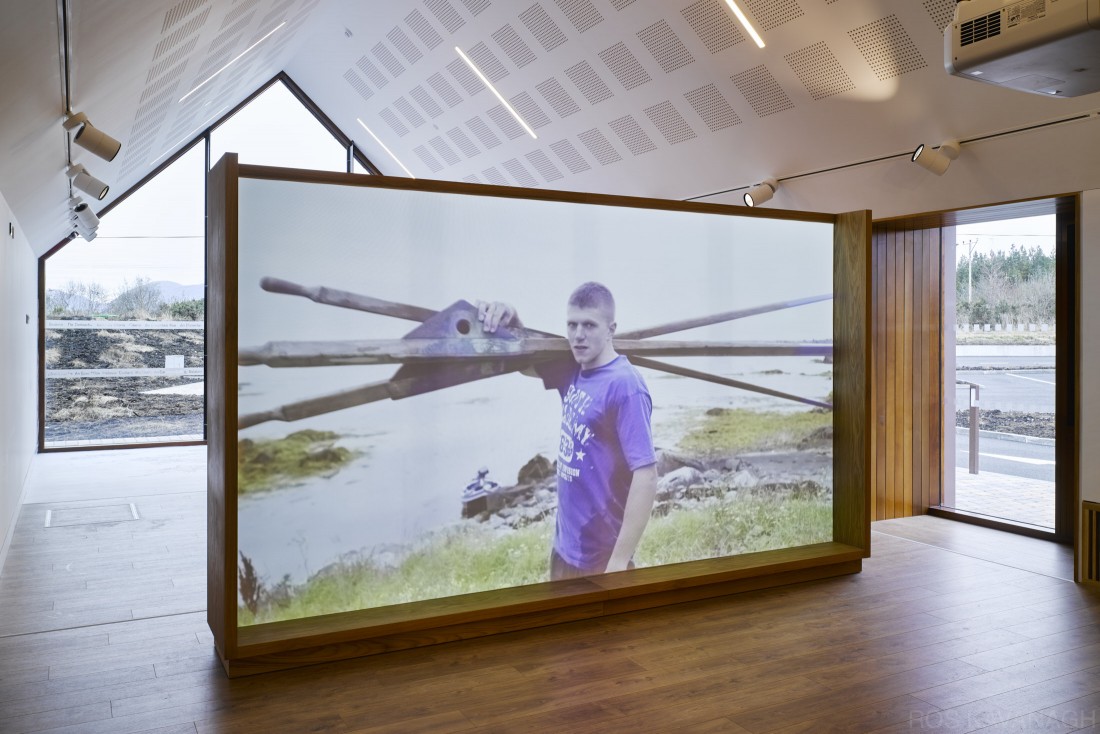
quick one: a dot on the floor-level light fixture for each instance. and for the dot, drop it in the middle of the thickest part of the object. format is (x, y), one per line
(486, 82)
(86, 182)
(936, 161)
(91, 138)
(761, 192)
(743, 19)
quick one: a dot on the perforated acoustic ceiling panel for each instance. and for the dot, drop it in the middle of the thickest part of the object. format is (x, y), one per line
(422, 98)
(390, 119)
(529, 110)
(665, 46)
(625, 66)
(445, 90)
(711, 21)
(465, 77)
(428, 159)
(445, 13)
(556, 96)
(632, 135)
(519, 173)
(819, 70)
(487, 62)
(505, 122)
(774, 13)
(372, 72)
(423, 29)
(544, 166)
(463, 142)
(476, 6)
(942, 12)
(599, 146)
(888, 49)
(594, 89)
(569, 156)
(482, 132)
(581, 13)
(668, 120)
(712, 107)
(358, 84)
(514, 46)
(492, 175)
(443, 150)
(407, 111)
(542, 27)
(404, 45)
(761, 91)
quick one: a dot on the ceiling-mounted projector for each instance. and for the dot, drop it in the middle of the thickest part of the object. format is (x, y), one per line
(1048, 47)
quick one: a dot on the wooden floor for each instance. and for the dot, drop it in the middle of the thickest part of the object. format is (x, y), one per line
(948, 629)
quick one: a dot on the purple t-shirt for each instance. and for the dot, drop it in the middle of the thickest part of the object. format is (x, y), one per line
(605, 437)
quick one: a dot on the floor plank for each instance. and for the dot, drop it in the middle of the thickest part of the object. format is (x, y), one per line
(948, 629)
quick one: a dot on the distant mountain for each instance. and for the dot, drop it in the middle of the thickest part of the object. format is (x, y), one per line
(171, 292)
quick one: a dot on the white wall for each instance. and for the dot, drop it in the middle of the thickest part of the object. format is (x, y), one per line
(18, 370)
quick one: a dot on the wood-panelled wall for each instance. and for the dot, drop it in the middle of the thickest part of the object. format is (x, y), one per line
(907, 385)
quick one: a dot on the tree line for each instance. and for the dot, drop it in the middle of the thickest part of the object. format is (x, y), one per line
(139, 300)
(1014, 286)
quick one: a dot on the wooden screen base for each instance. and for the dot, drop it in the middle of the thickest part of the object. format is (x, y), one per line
(295, 643)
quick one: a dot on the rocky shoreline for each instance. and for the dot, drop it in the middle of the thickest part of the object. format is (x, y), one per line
(684, 481)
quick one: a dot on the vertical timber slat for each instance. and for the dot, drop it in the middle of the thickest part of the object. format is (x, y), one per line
(852, 363)
(907, 390)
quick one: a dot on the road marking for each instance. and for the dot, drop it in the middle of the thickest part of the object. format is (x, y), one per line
(1020, 459)
(1033, 379)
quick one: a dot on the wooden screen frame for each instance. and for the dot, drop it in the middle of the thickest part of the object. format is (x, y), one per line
(290, 643)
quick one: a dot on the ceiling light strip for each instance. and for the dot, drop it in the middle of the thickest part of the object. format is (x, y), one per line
(745, 23)
(189, 136)
(377, 140)
(498, 94)
(235, 60)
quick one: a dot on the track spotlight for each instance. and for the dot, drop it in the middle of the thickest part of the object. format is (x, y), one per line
(91, 138)
(936, 161)
(88, 236)
(85, 216)
(86, 182)
(761, 192)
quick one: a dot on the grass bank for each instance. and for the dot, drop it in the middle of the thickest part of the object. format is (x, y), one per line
(1015, 338)
(471, 557)
(736, 431)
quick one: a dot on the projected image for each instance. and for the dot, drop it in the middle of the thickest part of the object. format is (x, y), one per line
(442, 394)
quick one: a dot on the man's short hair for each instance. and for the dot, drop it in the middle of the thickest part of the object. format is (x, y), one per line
(594, 295)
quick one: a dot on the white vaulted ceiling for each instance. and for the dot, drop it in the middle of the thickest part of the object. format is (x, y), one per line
(641, 97)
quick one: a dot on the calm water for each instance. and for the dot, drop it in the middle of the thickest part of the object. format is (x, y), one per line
(417, 454)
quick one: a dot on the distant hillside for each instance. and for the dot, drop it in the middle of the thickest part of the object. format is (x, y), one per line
(171, 292)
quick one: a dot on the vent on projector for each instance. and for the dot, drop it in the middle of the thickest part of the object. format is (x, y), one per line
(980, 29)
(1049, 47)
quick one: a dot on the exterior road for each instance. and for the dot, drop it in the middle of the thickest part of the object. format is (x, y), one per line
(1006, 457)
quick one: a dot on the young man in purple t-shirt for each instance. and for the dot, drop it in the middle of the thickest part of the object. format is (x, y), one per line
(606, 468)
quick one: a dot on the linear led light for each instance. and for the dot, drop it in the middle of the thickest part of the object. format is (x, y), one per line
(376, 139)
(187, 137)
(498, 94)
(204, 82)
(745, 22)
